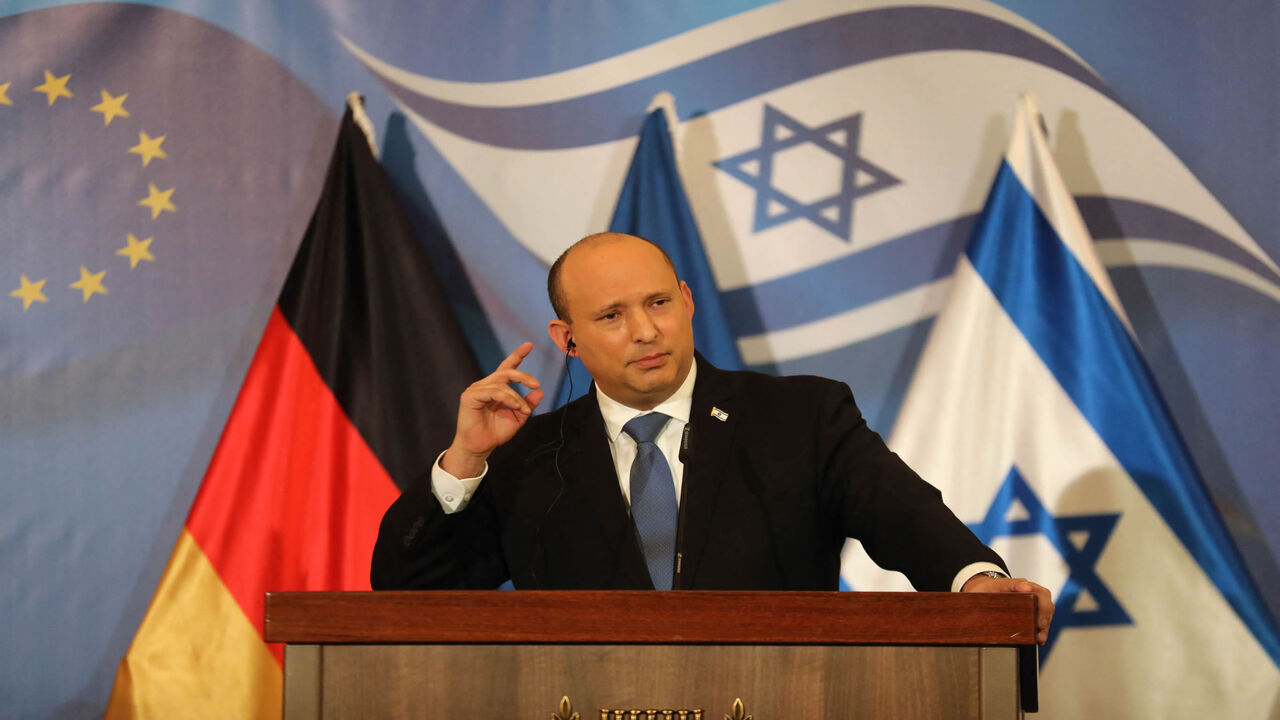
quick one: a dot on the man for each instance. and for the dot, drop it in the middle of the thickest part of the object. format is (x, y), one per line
(672, 473)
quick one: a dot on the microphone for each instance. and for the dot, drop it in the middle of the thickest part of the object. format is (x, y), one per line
(685, 455)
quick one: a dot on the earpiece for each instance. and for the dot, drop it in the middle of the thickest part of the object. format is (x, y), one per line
(571, 345)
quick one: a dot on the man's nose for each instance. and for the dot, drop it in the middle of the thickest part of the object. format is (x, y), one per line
(643, 329)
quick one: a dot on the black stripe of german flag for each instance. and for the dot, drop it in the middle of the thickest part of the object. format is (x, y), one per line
(364, 301)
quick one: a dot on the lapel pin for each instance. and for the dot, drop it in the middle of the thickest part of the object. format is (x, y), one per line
(719, 414)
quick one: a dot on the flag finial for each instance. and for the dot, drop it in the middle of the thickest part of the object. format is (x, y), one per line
(355, 101)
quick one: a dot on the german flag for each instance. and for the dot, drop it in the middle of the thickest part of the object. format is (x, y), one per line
(355, 379)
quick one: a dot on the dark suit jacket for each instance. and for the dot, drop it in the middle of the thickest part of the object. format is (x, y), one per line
(769, 496)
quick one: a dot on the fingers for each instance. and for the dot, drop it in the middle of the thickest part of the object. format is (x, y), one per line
(515, 358)
(486, 394)
(1044, 606)
(506, 371)
(496, 388)
(511, 375)
(534, 398)
(1044, 614)
(490, 411)
(1044, 598)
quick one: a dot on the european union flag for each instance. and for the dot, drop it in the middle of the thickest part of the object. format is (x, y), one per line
(155, 177)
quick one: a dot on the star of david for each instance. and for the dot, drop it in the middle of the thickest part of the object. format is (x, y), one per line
(1081, 557)
(834, 213)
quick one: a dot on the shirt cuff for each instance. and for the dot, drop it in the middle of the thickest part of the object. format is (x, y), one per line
(967, 572)
(453, 492)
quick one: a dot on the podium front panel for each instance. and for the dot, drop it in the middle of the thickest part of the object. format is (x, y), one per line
(774, 682)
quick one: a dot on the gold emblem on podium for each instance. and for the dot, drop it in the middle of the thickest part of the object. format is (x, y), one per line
(566, 712)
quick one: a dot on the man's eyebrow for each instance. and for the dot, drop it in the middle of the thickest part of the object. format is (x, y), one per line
(606, 309)
(618, 304)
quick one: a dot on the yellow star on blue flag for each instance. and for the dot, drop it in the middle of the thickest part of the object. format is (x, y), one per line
(29, 292)
(111, 107)
(90, 283)
(54, 87)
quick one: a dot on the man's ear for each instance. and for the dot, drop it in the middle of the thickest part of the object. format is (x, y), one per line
(561, 334)
(688, 296)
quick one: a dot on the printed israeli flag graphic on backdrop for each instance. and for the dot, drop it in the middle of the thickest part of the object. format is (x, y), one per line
(1034, 413)
(836, 177)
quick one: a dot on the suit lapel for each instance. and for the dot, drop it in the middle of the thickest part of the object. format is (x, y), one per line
(711, 440)
(590, 471)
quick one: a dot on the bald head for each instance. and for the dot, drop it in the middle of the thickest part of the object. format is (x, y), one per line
(555, 285)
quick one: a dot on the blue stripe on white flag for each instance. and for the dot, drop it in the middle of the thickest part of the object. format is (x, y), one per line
(1055, 304)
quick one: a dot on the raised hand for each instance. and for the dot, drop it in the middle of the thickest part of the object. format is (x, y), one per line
(489, 414)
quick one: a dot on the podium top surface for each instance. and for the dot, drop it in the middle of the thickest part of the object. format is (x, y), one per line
(651, 617)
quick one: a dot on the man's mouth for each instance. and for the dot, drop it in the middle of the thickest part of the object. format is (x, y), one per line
(651, 360)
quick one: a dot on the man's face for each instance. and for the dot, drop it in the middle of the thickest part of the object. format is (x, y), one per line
(630, 318)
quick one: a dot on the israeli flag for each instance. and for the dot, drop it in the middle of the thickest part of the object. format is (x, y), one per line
(1035, 414)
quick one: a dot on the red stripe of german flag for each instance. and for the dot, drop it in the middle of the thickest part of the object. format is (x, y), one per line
(354, 382)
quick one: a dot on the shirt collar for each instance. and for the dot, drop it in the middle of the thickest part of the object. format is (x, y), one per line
(678, 406)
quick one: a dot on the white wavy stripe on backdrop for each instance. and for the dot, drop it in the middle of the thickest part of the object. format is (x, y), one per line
(936, 120)
(663, 55)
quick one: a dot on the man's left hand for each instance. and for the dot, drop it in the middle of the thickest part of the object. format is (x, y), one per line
(1044, 604)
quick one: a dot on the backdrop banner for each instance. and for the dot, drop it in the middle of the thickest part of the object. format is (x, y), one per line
(161, 161)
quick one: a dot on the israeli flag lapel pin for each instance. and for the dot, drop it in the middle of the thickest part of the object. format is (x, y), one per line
(719, 414)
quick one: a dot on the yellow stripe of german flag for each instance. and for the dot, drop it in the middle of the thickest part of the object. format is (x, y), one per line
(195, 650)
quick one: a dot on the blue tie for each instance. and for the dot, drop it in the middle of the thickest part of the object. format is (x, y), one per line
(653, 498)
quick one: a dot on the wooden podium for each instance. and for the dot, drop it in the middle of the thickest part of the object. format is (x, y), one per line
(546, 654)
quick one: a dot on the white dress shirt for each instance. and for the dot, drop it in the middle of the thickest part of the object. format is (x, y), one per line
(623, 447)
